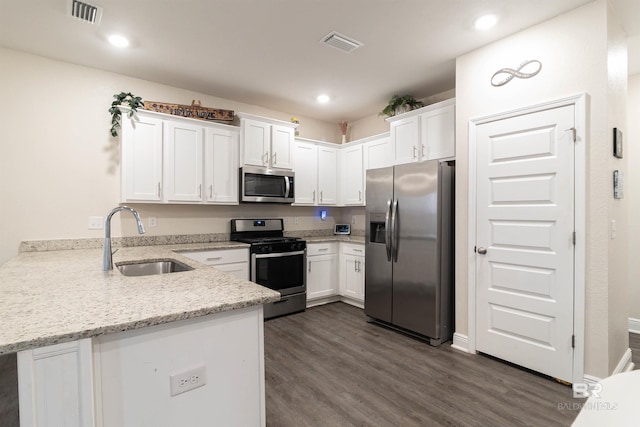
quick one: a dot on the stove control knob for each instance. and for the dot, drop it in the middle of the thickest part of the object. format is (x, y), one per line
(268, 249)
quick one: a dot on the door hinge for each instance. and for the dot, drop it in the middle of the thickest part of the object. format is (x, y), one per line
(573, 341)
(574, 238)
(574, 134)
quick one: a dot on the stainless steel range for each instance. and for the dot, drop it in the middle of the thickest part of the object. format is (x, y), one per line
(276, 262)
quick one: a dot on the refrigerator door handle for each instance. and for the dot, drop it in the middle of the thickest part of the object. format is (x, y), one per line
(394, 229)
(387, 230)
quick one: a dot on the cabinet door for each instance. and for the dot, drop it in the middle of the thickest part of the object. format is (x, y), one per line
(327, 176)
(183, 162)
(353, 176)
(306, 169)
(239, 270)
(281, 147)
(353, 276)
(321, 276)
(405, 134)
(438, 133)
(256, 140)
(378, 154)
(141, 160)
(221, 166)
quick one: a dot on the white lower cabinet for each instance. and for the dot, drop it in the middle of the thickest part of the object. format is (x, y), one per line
(322, 277)
(125, 378)
(335, 272)
(232, 261)
(352, 271)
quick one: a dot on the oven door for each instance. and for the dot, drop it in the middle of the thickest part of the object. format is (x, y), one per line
(282, 271)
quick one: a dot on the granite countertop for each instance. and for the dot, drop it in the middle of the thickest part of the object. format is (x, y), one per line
(335, 238)
(50, 297)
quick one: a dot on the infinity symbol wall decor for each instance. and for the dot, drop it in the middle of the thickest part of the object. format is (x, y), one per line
(526, 70)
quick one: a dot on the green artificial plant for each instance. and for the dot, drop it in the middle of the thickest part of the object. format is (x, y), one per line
(124, 99)
(400, 104)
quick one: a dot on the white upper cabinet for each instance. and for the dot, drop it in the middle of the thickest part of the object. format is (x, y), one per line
(141, 162)
(178, 160)
(266, 142)
(438, 133)
(353, 173)
(306, 170)
(316, 169)
(183, 162)
(221, 148)
(378, 153)
(424, 134)
(327, 176)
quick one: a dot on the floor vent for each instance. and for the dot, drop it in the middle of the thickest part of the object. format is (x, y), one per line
(341, 42)
(86, 12)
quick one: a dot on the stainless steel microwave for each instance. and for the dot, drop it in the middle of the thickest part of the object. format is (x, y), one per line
(266, 185)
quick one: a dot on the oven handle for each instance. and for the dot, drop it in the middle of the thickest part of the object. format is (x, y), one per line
(278, 255)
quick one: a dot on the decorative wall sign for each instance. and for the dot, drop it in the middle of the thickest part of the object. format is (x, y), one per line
(526, 70)
(193, 111)
(617, 143)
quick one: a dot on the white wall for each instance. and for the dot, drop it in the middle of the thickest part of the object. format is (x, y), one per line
(573, 49)
(632, 192)
(59, 165)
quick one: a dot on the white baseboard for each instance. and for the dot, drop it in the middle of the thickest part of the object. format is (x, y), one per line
(634, 325)
(624, 365)
(460, 342)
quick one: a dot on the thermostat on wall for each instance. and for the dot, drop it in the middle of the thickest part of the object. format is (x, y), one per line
(342, 229)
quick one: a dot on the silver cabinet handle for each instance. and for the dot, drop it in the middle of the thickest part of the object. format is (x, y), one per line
(482, 250)
(200, 190)
(357, 250)
(414, 152)
(274, 158)
(211, 192)
(323, 249)
(309, 266)
(314, 196)
(265, 158)
(359, 195)
(355, 266)
(216, 258)
(159, 190)
(320, 196)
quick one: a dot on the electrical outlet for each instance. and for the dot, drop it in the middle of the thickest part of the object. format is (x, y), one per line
(188, 380)
(153, 221)
(96, 223)
(295, 220)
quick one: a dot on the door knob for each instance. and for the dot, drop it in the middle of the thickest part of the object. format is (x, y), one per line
(482, 251)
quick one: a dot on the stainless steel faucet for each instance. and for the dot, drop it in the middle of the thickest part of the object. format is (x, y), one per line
(107, 260)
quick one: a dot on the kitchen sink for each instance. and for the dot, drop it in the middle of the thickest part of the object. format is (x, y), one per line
(149, 268)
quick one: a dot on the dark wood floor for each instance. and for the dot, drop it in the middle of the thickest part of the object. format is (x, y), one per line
(329, 367)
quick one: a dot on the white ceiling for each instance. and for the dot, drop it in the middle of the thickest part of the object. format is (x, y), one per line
(267, 52)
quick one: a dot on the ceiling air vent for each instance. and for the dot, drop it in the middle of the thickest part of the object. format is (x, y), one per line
(341, 42)
(86, 12)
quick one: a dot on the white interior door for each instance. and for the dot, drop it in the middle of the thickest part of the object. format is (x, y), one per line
(525, 240)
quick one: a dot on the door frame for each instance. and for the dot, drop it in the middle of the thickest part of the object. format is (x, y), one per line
(579, 101)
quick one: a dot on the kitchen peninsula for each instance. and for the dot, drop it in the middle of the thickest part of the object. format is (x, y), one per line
(100, 348)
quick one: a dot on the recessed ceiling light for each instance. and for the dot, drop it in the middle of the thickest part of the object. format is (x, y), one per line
(485, 22)
(323, 99)
(118, 41)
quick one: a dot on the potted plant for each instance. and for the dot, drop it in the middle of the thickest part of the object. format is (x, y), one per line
(400, 104)
(125, 100)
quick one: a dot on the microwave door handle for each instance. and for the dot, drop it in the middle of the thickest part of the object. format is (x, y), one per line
(287, 186)
(387, 231)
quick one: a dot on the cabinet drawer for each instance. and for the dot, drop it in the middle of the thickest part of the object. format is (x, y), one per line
(353, 249)
(321, 248)
(222, 256)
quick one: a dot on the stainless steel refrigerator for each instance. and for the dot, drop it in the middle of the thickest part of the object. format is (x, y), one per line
(409, 248)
